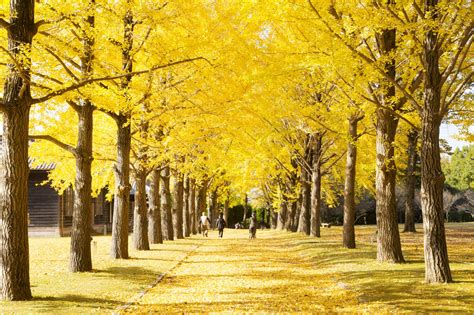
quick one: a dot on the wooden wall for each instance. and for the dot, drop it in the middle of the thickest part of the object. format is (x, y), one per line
(43, 202)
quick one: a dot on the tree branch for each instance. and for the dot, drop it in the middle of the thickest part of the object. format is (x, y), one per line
(326, 171)
(55, 141)
(418, 10)
(460, 88)
(108, 78)
(74, 105)
(17, 65)
(65, 67)
(4, 24)
(466, 42)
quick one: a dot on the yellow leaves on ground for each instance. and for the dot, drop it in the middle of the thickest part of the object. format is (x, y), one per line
(278, 272)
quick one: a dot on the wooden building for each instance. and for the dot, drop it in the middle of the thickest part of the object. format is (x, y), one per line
(50, 214)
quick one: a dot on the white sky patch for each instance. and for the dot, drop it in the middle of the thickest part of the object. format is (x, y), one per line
(449, 133)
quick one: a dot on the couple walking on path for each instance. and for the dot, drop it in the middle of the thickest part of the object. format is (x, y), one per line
(205, 222)
(221, 224)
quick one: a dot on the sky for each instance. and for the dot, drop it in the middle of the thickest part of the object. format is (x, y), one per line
(449, 132)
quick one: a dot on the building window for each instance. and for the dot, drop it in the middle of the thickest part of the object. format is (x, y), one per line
(98, 204)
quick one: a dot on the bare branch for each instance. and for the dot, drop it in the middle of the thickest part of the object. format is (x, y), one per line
(418, 10)
(23, 75)
(74, 105)
(326, 171)
(108, 78)
(109, 113)
(63, 64)
(55, 141)
(457, 92)
(4, 24)
(322, 124)
(465, 43)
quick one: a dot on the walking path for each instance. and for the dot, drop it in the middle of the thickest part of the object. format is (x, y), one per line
(235, 274)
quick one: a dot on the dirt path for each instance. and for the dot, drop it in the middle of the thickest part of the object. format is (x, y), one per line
(235, 274)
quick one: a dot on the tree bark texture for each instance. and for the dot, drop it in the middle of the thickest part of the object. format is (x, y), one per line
(281, 217)
(186, 215)
(437, 268)
(120, 221)
(305, 210)
(178, 207)
(14, 251)
(348, 233)
(388, 236)
(166, 217)
(154, 211)
(410, 182)
(246, 202)
(80, 253)
(213, 208)
(274, 219)
(295, 219)
(226, 209)
(316, 185)
(140, 219)
(202, 200)
(192, 207)
(291, 213)
(304, 224)
(124, 138)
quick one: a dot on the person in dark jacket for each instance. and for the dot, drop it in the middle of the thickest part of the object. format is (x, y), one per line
(253, 225)
(221, 224)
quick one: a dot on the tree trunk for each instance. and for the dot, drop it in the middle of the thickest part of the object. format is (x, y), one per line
(154, 211)
(140, 219)
(437, 268)
(202, 199)
(14, 254)
(296, 216)
(80, 253)
(186, 216)
(192, 209)
(348, 234)
(226, 208)
(274, 219)
(410, 182)
(14, 257)
(213, 208)
(291, 216)
(124, 138)
(166, 217)
(122, 190)
(178, 207)
(388, 236)
(305, 212)
(246, 202)
(316, 186)
(282, 215)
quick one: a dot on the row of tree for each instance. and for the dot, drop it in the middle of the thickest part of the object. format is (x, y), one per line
(290, 97)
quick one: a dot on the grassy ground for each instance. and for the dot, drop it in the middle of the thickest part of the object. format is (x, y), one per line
(277, 272)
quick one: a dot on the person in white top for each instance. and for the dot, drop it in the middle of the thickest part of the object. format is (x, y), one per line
(204, 221)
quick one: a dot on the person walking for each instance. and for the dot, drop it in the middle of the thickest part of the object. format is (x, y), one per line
(253, 226)
(221, 224)
(204, 222)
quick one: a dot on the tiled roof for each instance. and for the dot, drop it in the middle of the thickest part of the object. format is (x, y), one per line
(40, 167)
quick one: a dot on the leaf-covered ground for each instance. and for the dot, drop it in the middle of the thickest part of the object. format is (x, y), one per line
(277, 272)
